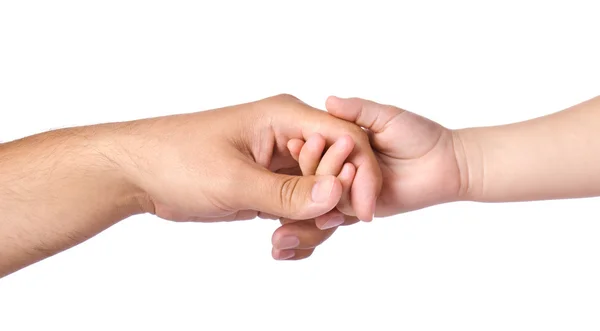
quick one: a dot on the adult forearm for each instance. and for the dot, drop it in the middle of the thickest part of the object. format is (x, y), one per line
(552, 157)
(56, 190)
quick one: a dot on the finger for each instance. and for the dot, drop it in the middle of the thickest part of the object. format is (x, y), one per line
(291, 254)
(365, 191)
(296, 197)
(333, 219)
(368, 114)
(346, 177)
(301, 121)
(301, 254)
(321, 220)
(311, 154)
(299, 235)
(332, 162)
(279, 254)
(295, 146)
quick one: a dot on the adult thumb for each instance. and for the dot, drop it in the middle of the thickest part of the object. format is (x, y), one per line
(294, 197)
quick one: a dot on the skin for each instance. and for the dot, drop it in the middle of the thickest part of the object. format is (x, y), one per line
(313, 160)
(424, 163)
(60, 188)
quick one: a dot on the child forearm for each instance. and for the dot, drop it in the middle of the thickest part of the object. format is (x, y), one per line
(552, 157)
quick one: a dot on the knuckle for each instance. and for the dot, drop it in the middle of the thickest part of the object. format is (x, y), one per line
(359, 135)
(288, 187)
(285, 97)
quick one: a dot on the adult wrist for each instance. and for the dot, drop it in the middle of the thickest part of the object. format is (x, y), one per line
(114, 147)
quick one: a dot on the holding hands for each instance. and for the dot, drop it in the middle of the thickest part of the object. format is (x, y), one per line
(280, 158)
(418, 159)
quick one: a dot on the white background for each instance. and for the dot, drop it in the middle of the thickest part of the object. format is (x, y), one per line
(463, 266)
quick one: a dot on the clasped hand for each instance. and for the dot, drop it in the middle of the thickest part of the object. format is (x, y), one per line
(279, 158)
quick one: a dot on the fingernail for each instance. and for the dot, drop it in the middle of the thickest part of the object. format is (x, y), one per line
(284, 255)
(333, 222)
(288, 242)
(374, 208)
(322, 190)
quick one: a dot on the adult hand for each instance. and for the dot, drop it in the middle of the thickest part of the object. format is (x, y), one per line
(229, 163)
(62, 187)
